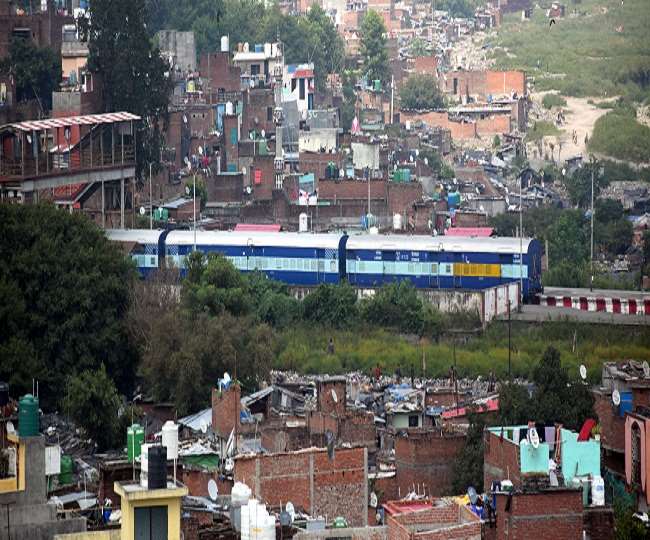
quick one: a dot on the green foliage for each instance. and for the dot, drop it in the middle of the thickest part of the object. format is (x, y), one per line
(133, 72)
(311, 37)
(542, 129)
(496, 142)
(578, 185)
(64, 295)
(398, 306)
(468, 466)
(418, 47)
(458, 8)
(373, 48)
(553, 100)
(447, 172)
(584, 55)
(201, 192)
(621, 136)
(626, 526)
(92, 402)
(646, 248)
(347, 110)
(35, 70)
(420, 91)
(331, 305)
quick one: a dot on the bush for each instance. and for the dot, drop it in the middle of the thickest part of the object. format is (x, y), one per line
(553, 100)
(395, 306)
(619, 135)
(331, 305)
(420, 91)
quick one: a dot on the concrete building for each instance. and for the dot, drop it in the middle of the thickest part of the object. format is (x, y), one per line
(257, 62)
(179, 48)
(24, 510)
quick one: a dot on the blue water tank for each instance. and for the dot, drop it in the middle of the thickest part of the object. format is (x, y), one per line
(626, 403)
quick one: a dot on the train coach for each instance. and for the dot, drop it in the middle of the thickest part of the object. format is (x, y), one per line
(365, 261)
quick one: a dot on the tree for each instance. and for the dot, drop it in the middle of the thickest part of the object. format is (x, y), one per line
(468, 466)
(348, 108)
(91, 400)
(395, 305)
(331, 305)
(64, 292)
(327, 49)
(418, 47)
(420, 91)
(373, 48)
(135, 78)
(496, 142)
(646, 248)
(36, 71)
(578, 185)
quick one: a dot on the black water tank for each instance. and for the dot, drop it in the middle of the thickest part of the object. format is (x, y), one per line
(157, 473)
(4, 393)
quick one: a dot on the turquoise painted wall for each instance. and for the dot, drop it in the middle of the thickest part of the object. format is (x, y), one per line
(534, 460)
(579, 458)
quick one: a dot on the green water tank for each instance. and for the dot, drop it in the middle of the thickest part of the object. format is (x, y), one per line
(28, 416)
(65, 476)
(134, 441)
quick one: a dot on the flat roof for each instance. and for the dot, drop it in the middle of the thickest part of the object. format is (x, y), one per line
(88, 119)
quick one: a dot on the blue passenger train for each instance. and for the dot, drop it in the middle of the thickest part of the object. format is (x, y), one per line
(365, 261)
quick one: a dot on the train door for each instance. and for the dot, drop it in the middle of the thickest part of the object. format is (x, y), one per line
(320, 257)
(389, 266)
(249, 252)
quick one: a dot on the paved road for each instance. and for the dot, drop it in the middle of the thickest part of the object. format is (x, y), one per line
(596, 293)
(543, 313)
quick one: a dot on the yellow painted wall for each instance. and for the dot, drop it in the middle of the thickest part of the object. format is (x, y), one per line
(15, 483)
(113, 534)
(173, 505)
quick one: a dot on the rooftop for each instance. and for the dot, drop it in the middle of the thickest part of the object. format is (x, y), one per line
(134, 491)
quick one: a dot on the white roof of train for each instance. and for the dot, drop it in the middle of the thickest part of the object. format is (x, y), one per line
(438, 243)
(243, 238)
(141, 236)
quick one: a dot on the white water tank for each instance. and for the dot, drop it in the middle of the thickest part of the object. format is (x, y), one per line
(144, 465)
(374, 230)
(225, 44)
(267, 50)
(256, 522)
(246, 47)
(598, 491)
(397, 222)
(239, 496)
(170, 439)
(303, 223)
(229, 108)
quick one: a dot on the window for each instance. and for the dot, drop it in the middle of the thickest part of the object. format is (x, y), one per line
(151, 523)
(413, 420)
(255, 69)
(269, 114)
(302, 89)
(636, 454)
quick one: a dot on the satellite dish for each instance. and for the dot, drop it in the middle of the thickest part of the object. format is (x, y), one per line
(142, 210)
(263, 134)
(10, 428)
(334, 396)
(187, 190)
(373, 500)
(471, 493)
(289, 509)
(533, 437)
(185, 119)
(583, 372)
(230, 465)
(204, 426)
(243, 171)
(200, 150)
(186, 160)
(616, 397)
(213, 490)
(646, 369)
(29, 139)
(378, 517)
(426, 161)
(226, 377)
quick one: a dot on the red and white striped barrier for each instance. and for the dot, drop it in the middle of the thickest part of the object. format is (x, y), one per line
(626, 306)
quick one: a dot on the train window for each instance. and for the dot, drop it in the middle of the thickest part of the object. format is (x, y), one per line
(332, 266)
(152, 261)
(362, 266)
(411, 268)
(313, 265)
(434, 268)
(448, 268)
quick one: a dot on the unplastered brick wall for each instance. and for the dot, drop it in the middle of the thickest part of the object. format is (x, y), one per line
(446, 520)
(226, 407)
(612, 425)
(336, 487)
(425, 460)
(556, 513)
(500, 460)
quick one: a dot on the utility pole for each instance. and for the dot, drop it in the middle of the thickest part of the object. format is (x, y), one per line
(521, 247)
(150, 198)
(509, 345)
(591, 258)
(194, 208)
(278, 118)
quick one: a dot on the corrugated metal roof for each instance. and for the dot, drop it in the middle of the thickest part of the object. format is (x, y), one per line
(470, 231)
(260, 239)
(438, 243)
(140, 236)
(257, 227)
(88, 119)
(197, 420)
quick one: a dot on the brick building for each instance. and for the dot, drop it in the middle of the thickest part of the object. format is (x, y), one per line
(311, 480)
(226, 407)
(431, 519)
(424, 460)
